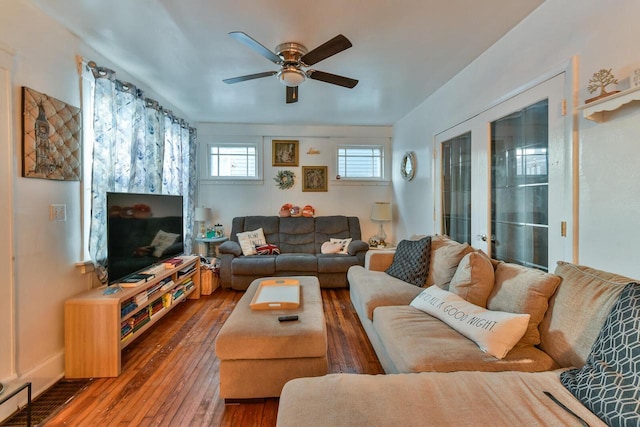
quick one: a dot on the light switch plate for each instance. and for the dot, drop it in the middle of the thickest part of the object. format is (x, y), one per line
(58, 212)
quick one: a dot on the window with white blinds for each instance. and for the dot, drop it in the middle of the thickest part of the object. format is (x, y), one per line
(233, 161)
(361, 162)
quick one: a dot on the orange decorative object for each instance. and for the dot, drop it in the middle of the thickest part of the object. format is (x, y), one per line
(285, 210)
(308, 211)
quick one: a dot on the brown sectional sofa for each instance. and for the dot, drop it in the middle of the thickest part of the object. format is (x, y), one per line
(438, 376)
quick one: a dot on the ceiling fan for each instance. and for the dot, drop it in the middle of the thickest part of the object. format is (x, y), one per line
(293, 58)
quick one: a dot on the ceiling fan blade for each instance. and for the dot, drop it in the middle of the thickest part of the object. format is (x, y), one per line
(250, 77)
(256, 46)
(292, 94)
(332, 78)
(330, 48)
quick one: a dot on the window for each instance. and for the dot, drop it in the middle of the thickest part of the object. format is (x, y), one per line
(361, 162)
(233, 161)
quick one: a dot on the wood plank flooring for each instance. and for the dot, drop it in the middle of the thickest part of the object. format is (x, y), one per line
(170, 375)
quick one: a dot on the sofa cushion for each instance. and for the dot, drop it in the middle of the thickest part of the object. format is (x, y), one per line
(519, 289)
(296, 262)
(609, 383)
(411, 261)
(445, 257)
(429, 399)
(250, 239)
(495, 332)
(473, 279)
(267, 249)
(297, 235)
(330, 248)
(568, 331)
(335, 263)
(418, 342)
(371, 289)
(264, 265)
(344, 244)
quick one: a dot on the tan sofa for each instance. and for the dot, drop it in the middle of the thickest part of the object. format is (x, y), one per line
(439, 377)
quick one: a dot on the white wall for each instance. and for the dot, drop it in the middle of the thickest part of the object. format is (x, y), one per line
(342, 198)
(43, 254)
(601, 35)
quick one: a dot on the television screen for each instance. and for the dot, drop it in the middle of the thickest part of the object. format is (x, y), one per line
(142, 230)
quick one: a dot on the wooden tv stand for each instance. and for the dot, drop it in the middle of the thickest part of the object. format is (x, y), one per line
(97, 327)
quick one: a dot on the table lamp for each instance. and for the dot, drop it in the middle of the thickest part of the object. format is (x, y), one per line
(201, 216)
(381, 212)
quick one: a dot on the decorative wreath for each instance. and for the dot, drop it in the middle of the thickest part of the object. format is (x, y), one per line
(285, 179)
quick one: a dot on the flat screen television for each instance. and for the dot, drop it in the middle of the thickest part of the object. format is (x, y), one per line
(142, 230)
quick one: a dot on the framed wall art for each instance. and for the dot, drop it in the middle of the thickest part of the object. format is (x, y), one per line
(284, 152)
(51, 147)
(314, 178)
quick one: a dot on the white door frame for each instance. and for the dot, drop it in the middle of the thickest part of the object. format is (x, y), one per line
(7, 171)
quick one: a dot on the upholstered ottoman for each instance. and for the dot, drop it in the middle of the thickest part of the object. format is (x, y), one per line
(259, 354)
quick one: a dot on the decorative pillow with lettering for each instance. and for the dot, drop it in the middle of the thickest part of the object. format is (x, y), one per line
(495, 332)
(249, 239)
(344, 243)
(609, 382)
(267, 249)
(162, 241)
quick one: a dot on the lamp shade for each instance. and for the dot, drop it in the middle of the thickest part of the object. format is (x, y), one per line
(202, 214)
(381, 211)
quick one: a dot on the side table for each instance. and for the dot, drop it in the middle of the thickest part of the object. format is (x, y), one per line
(212, 244)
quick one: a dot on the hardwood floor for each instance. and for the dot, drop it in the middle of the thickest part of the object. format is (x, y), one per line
(170, 374)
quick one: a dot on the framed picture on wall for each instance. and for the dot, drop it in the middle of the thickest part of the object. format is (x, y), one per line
(284, 152)
(314, 178)
(50, 137)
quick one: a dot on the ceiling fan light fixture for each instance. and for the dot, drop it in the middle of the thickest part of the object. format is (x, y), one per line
(291, 76)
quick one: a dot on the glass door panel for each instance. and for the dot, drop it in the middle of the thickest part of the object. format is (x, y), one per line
(456, 188)
(519, 186)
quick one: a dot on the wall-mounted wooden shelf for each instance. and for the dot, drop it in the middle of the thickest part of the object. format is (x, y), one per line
(596, 110)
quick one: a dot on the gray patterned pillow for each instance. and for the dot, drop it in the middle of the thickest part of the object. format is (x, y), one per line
(411, 261)
(609, 382)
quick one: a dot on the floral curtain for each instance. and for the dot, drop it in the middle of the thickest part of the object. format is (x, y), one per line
(138, 147)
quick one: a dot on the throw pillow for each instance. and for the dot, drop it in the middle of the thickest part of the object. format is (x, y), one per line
(267, 249)
(445, 257)
(474, 278)
(344, 243)
(609, 383)
(331, 248)
(249, 239)
(520, 289)
(411, 261)
(162, 241)
(495, 332)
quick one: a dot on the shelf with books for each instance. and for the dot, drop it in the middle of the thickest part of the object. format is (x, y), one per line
(98, 325)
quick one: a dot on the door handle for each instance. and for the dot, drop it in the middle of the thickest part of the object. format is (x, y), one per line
(484, 237)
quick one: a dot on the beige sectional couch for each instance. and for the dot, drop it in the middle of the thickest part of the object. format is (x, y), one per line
(440, 377)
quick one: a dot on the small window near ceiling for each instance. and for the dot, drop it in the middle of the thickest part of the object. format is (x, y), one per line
(233, 161)
(361, 162)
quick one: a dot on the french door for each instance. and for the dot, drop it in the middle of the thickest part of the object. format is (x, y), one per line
(511, 188)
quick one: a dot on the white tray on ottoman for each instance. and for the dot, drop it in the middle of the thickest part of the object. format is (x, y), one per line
(259, 354)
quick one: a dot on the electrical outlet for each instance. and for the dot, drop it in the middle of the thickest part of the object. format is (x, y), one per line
(58, 212)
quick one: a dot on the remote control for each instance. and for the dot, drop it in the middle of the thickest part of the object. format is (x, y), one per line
(288, 318)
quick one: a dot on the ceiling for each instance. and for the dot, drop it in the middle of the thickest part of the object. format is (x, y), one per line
(402, 51)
